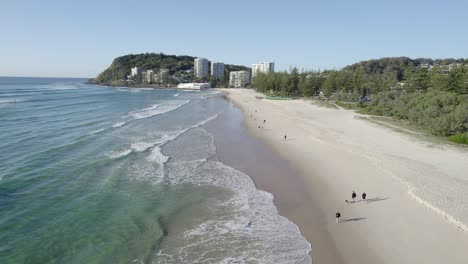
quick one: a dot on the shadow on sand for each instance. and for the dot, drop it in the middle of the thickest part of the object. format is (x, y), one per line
(353, 219)
(371, 200)
(376, 199)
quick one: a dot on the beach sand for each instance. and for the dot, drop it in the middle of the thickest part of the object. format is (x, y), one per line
(417, 203)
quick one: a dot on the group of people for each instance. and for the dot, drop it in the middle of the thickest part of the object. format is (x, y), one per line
(261, 127)
(353, 196)
(263, 123)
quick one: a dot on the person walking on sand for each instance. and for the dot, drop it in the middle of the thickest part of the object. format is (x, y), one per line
(338, 215)
(364, 196)
(264, 121)
(353, 195)
(285, 137)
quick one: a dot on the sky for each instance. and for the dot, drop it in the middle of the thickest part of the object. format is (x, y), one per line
(69, 38)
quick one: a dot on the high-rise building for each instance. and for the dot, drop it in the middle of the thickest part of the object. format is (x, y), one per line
(201, 67)
(239, 79)
(217, 69)
(263, 67)
(136, 71)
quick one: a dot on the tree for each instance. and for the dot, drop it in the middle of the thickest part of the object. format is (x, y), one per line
(418, 81)
(311, 84)
(330, 85)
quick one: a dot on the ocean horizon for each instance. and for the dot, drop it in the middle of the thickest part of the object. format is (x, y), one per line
(92, 174)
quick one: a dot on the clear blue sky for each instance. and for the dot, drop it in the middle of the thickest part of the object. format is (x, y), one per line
(71, 38)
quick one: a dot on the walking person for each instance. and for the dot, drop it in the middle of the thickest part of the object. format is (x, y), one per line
(338, 215)
(264, 121)
(285, 137)
(353, 195)
(364, 196)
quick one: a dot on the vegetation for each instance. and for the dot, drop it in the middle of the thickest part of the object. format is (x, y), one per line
(121, 66)
(430, 93)
(178, 66)
(278, 98)
(440, 112)
(459, 138)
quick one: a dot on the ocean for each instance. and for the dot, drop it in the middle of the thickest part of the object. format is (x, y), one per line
(93, 174)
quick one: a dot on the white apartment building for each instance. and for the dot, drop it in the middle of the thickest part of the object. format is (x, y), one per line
(161, 76)
(201, 67)
(263, 67)
(194, 86)
(149, 76)
(217, 69)
(239, 79)
(136, 71)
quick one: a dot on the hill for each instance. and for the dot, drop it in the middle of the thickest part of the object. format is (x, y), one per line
(117, 72)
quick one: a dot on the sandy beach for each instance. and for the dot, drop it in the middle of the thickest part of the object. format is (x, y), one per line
(417, 190)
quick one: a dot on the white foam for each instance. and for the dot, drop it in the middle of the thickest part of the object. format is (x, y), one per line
(10, 101)
(151, 169)
(97, 131)
(142, 146)
(119, 124)
(157, 156)
(158, 109)
(119, 154)
(177, 94)
(251, 230)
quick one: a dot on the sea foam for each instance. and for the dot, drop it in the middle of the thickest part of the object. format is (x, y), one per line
(158, 109)
(252, 231)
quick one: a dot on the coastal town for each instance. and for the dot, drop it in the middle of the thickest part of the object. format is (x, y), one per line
(197, 77)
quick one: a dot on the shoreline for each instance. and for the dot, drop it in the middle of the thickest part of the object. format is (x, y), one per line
(394, 227)
(131, 86)
(267, 168)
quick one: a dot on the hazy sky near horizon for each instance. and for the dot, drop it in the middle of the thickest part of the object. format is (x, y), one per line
(66, 38)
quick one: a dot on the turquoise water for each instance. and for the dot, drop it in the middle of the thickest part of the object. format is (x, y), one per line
(114, 175)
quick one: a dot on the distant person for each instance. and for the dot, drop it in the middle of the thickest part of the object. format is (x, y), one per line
(285, 137)
(258, 127)
(364, 196)
(353, 195)
(338, 215)
(264, 121)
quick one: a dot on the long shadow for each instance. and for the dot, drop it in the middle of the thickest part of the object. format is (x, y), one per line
(353, 219)
(376, 199)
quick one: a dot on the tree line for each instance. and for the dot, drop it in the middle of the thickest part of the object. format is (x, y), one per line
(430, 93)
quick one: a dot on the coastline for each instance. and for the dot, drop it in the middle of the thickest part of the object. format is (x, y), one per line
(393, 228)
(237, 148)
(132, 86)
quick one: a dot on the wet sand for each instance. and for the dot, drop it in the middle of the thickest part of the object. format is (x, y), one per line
(271, 173)
(333, 152)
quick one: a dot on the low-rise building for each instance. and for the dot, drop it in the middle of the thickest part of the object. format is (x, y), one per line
(194, 86)
(149, 76)
(239, 79)
(136, 71)
(162, 76)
